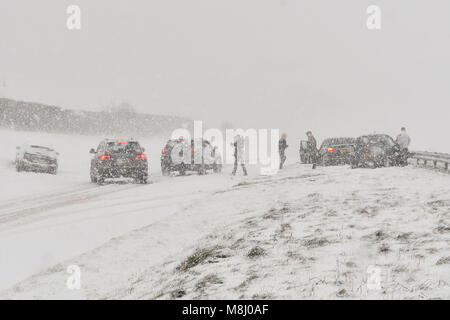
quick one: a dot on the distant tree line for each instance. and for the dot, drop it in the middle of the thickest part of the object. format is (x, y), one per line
(29, 116)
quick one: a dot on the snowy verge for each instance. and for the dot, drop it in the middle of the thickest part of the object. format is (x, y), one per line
(301, 234)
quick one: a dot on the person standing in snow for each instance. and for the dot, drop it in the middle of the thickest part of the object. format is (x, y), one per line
(403, 140)
(312, 148)
(282, 145)
(238, 145)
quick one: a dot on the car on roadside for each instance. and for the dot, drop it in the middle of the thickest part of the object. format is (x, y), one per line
(36, 158)
(119, 158)
(374, 151)
(179, 155)
(337, 151)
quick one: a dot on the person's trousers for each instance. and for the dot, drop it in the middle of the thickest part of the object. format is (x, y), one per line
(282, 159)
(236, 165)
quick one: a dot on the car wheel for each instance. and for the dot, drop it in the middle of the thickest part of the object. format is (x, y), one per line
(141, 180)
(202, 170)
(182, 170)
(165, 171)
(93, 177)
(100, 180)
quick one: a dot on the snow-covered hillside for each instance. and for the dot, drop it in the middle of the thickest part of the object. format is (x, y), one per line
(302, 233)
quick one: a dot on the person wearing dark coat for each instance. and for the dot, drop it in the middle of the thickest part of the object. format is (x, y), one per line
(282, 145)
(238, 145)
(312, 148)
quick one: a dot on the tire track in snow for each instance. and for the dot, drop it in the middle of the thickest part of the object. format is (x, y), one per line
(37, 205)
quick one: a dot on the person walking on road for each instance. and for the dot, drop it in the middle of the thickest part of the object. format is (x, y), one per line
(312, 148)
(282, 145)
(238, 145)
(403, 140)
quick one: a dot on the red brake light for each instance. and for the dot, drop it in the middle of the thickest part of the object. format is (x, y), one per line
(331, 150)
(122, 142)
(194, 150)
(141, 156)
(163, 151)
(104, 157)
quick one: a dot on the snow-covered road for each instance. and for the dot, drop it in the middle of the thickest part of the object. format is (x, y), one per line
(300, 233)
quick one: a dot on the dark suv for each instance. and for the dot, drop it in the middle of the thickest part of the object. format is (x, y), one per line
(337, 151)
(376, 150)
(182, 156)
(119, 158)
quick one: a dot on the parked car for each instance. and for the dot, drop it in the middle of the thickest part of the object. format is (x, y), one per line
(376, 150)
(305, 156)
(118, 158)
(36, 158)
(337, 151)
(179, 155)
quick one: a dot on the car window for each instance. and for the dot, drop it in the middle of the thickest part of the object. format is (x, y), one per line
(40, 148)
(170, 144)
(100, 148)
(389, 141)
(123, 146)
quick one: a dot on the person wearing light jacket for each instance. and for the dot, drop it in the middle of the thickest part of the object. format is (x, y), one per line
(403, 139)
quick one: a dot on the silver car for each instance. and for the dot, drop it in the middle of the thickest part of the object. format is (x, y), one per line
(36, 159)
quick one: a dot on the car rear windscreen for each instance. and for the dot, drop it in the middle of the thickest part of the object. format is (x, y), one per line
(123, 146)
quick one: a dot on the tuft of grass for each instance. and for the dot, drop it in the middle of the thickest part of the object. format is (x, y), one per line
(199, 257)
(443, 228)
(207, 280)
(256, 252)
(369, 211)
(315, 242)
(443, 260)
(176, 294)
(342, 293)
(384, 248)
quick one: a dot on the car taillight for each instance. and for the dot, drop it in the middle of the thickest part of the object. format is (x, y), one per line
(331, 150)
(141, 156)
(194, 150)
(163, 151)
(104, 157)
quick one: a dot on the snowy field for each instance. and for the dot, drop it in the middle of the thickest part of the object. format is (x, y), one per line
(301, 234)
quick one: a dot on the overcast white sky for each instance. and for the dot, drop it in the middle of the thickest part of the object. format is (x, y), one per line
(288, 64)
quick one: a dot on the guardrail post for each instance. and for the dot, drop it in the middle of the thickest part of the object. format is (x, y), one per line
(446, 166)
(425, 162)
(435, 164)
